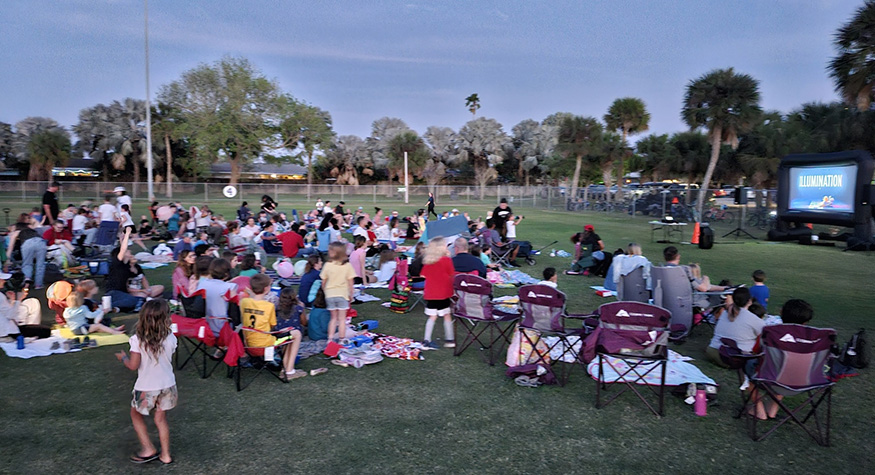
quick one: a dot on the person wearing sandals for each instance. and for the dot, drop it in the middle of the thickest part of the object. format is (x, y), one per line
(152, 347)
(438, 272)
(259, 314)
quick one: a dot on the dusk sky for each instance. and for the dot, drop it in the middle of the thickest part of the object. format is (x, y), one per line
(364, 60)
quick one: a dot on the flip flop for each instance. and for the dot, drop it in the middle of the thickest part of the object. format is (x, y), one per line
(318, 371)
(137, 459)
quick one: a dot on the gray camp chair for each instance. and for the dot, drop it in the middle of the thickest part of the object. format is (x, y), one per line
(673, 292)
(632, 287)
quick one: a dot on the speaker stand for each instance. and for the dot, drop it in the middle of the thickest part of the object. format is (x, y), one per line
(738, 231)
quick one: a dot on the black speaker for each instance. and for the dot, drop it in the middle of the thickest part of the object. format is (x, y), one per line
(741, 195)
(706, 237)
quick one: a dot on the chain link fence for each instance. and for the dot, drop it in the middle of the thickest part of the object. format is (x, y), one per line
(656, 202)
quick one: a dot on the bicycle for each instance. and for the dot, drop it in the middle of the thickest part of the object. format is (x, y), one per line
(718, 214)
(761, 218)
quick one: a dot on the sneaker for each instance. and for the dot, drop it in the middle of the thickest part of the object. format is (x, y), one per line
(430, 344)
(295, 374)
(571, 272)
(449, 344)
(340, 363)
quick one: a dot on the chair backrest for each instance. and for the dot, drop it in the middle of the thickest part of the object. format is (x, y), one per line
(474, 297)
(543, 307)
(632, 287)
(194, 303)
(400, 279)
(242, 281)
(107, 233)
(673, 292)
(633, 316)
(795, 355)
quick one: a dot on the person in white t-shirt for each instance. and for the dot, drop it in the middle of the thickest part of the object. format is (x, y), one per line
(122, 198)
(107, 211)
(78, 227)
(510, 226)
(152, 348)
(203, 218)
(327, 208)
(550, 277)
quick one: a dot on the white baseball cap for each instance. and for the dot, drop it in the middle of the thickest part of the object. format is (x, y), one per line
(5, 276)
(118, 189)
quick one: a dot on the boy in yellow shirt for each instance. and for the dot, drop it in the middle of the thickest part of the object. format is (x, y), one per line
(259, 314)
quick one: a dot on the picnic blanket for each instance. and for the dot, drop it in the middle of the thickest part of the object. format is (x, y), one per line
(395, 347)
(510, 277)
(102, 339)
(363, 297)
(678, 372)
(375, 285)
(42, 347)
(310, 348)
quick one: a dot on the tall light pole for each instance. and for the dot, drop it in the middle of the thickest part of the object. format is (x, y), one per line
(406, 185)
(148, 112)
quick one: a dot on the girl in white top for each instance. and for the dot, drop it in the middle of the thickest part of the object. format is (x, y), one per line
(152, 348)
(126, 222)
(250, 230)
(387, 265)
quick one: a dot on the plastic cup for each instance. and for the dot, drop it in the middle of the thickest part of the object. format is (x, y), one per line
(106, 302)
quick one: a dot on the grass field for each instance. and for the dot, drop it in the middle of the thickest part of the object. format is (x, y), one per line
(69, 413)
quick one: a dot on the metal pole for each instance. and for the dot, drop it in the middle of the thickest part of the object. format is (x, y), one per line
(148, 112)
(406, 185)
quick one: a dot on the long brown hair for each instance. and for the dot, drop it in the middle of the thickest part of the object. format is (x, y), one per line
(740, 298)
(153, 327)
(183, 264)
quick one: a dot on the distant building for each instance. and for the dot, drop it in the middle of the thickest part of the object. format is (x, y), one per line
(260, 171)
(77, 168)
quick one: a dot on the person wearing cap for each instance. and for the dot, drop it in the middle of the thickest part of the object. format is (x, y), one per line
(122, 198)
(588, 236)
(500, 215)
(50, 202)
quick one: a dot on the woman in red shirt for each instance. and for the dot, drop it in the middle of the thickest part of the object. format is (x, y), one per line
(438, 272)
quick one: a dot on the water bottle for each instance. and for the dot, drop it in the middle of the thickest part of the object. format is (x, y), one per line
(20, 342)
(701, 404)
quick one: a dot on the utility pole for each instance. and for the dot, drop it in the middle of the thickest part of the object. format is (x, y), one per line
(149, 180)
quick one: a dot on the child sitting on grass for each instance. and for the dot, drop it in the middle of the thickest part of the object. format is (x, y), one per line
(152, 347)
(260, 315)
(82, 320)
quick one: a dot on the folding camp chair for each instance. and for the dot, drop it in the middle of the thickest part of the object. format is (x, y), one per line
(195, 336)
(544, 316)
(632, 340)
(259, 359)
(737, 359)
(673, 292)
(632, 287)
(107, 235)
(793, 364)
(477, 321)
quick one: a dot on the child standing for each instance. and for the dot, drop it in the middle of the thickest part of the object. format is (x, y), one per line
(152, 348)
(759, 291)
(438, 272)
(260, 315)
(338, 278)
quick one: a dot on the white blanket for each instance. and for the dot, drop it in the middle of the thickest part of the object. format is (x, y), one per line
(35, 348)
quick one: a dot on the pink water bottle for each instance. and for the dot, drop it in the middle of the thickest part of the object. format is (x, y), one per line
(701, 403)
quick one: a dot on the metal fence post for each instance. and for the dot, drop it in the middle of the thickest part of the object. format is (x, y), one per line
(206, 198)
(374, 191)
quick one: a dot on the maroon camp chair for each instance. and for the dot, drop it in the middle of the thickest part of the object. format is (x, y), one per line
(793, 364)
(636, 334)
(737, 359)
(544, 312)
(476, 320)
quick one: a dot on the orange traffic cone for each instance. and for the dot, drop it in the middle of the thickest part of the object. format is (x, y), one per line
(695, 239)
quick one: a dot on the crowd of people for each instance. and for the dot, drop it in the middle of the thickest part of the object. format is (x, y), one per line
(342, 248)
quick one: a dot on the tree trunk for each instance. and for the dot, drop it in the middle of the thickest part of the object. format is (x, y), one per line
(309, 173)
(235, 171)
(620, 168)
(575, 179)
(716, 133)
(169, 155)
(136, 160)
(607, 170)
(689, 193)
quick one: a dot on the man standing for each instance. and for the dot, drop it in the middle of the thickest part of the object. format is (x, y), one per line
(500, 215)
(50, 202)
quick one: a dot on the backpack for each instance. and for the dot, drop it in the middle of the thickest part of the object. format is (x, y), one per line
(400, 301)
(856, 351)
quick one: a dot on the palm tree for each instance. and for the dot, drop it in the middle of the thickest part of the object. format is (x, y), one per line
(482, 141)
(578, 137)
(628, 115)
(608, 155)
(853, 70)
(442, 141)
(417, 155)
(690, 157)
(726, 104)
(655, 152)
(472, 103)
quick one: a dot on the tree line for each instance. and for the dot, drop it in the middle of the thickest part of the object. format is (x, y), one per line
(228, 111)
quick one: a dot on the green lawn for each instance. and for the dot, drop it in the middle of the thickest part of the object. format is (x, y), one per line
(453, 414)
